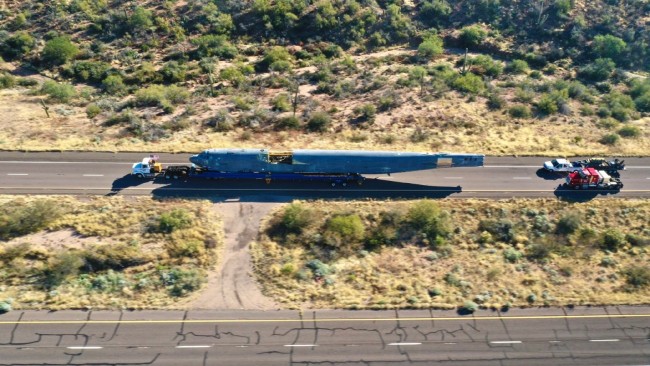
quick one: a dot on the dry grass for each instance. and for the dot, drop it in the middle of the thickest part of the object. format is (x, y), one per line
(115, 229)
(471, 267)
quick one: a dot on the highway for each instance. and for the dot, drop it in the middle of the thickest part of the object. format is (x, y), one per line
(107, 174)
(576, 336)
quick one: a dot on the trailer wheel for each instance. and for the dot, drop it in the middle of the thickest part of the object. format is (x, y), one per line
(333, 184)
(344, 184)
(167, 176)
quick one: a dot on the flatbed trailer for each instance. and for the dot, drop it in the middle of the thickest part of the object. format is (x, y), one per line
(190, 172)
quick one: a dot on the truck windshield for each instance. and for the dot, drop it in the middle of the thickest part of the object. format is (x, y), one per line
(555, 163)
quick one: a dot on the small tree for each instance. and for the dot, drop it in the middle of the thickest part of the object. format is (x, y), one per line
(472, 36)
(430, 48)
(59, 50)
(113, 84)
(608, 46)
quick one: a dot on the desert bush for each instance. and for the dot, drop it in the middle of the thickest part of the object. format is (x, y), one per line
(94, 71)
(512, 255)
(538, 252)
(118, 257)
(485, 65)
(210, 45)
(281, 103)
(642, 103)
(629, 131)
(517, 67)
(174, 72)
(92, 110)
(568, 224)
(468, 307)
(343, 230)
(159, 95)
(637, 277)
(430, 48)
(5, 306)
(276, 54)
(502, 230)
(472, 36)
(468, 83)
(609, 139)
(495, 101)
(181, 282)
(612, 240)
(637, 240)
(318, 268)
(18, 219)
(58, 92)
(598, 70)
(17, 45)
(59, 50)
(608, 46)
(426, 218)
(114, 85)
(577, 90)
(185, 248)
(319, 121)
(550, 103)
(61, 267)
(519, 111)
(366, 112)
(287, 123)
(168, 222)
(140, 20)
(294, 220)
(7, 81)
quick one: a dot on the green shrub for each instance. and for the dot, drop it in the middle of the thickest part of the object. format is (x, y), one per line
(538, 252)
(517, 67)
(485, 65)
(181, 282)
(5, 306)
(58, 92)
(612, 240)
(608, 46)
(610, 139)
(637, 240)
(7, 81)
(637, 277)
(468, 83)
(90, 70)
(642, 103)
(502, 230)
(318, 268)
(176, 94)
(185, 248)
(519, 111)
(426, 218)
(287, 123)
(60, 268)
(140, 20)
(274, 55)
(430, 48)
(495, 101)
(512, 255)
(210, 45)
(366, 112)
(18, 45)
(468, 307)
(168, 222)
(281, 103)
(319, 121)
(92, 110)
(18, 219)
(59, 50)
(174, 72)
(550, 103)
(158, 95)
(472, 36)
(568, 224)
(598, 70)
(630, 131)
(295, 219)
(114, 85)
(343, 230)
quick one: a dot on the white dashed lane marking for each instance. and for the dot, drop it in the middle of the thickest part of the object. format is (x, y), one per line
(604, 340)
(195, 346)
(84, 347)
(405, 344)
(93, 175)
(505, 342)
(300, 345)
(17, 174)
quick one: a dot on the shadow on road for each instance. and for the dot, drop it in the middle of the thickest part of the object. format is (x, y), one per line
(124, 182)
(546, 175)
(571, 195)
(286, 191)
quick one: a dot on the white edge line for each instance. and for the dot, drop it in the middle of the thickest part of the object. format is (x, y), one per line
(405, 344)
(522, 178)
(194, 346)
(301, 345)
(84, 347)
(604, 340)
(505, 342)
(17, 174)
(93, 175)
(453, 177)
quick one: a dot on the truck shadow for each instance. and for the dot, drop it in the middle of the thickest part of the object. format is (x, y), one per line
(571, 195)
(546, 175)
(286, 191)
(125, 182)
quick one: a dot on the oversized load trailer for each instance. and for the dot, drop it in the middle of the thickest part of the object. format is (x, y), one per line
(590, 178)
(338, 167)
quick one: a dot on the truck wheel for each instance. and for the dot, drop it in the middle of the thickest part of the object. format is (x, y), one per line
(140, 176)
(344, 184)
(333, 184)
(168, 177)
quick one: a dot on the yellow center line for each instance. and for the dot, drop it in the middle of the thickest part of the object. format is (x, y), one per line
(419, 319)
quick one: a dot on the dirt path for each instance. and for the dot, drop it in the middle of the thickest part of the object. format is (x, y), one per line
(231, 285)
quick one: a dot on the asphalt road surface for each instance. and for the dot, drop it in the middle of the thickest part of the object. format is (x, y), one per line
(580, 336)
(107, 174)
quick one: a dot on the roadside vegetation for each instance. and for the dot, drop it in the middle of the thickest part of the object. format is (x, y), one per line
(424, 254)
(64, 252)
(495, 77)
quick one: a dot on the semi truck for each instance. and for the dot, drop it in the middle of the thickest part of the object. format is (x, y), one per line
(590, 178)
(337, 167)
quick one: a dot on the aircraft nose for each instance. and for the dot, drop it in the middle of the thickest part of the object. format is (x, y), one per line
(194, 159)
